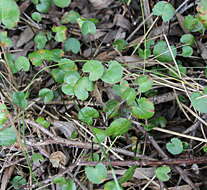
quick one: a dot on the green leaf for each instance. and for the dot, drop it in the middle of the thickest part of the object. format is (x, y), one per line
(37, 57)
(162, 52)
(18, 181)
(199, 101)
(58, 75)
(61, 31)
(43, 122)
(44, 6)
(36, 16)
(71, 77)
(111, 185)
(70, 16)
(100, 135)
(88, 27)
(128, 175)
(121, 88)
(67, 89)
(129, 95)
(144, 53)
(22, 63)
(3, 113)
(145, 83)
(120, 44)
(87, 114)
(9, 13)
(175, 146)
(82, 87)
(72, 44)
(113, 74)
(70, 185)
(36, 157)
(111, 108)
(187, 39)
(4, 40)
(95, 68)
(40, 40)
(59, 180)
(19, 98)
(187, 51)
(193, 24)
(67, 65)
(62, 3)
(118, 127)
(96, 174)
(10, 61)
(46, 94)
(159, 122)
(162, 173)
(7, 136)
(143, 109)
(164, 9)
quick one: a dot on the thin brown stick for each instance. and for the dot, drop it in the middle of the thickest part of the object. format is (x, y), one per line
(187, 161)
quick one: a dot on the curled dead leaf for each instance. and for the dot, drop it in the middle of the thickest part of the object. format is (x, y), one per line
(57, 159)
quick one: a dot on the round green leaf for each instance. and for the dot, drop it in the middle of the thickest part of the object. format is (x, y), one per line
(87, 114)
(9, 13)
(111, 108)
(88, 27)
(113, 74)
(193, 24)
(19, 98)
(96, 174)
(70, 16)
(82, 87)
(162, 173)
(7, 136)
(145, 83)
(46, 94)
(44, 6)
(164, 9)
(4, 40)
(67, 89)
(120, 44)
(95, 68)
(36, 16)
(187, 51)
(40, 40)
(3, 113)
(72, 44)
(18, 181)
(71, 77)
(162, 52)
(144, 53)
(175, 146)
(61, 31)
(22, 63)
(58, 75)
(118, 127)
(67, 65)
(199, 101)
(143, 109)
(187, 39)
(129, 95)
(111, 185)
(62, 3)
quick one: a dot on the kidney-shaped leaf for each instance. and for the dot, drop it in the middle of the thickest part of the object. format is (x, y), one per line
(175, 146)
(162, 173)
(95, 68)
(113, 74)
(199, 101)
(118, 127)
(9, 13)
(87, 114)
(7, 136)
(144, 109)
(96, 174)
